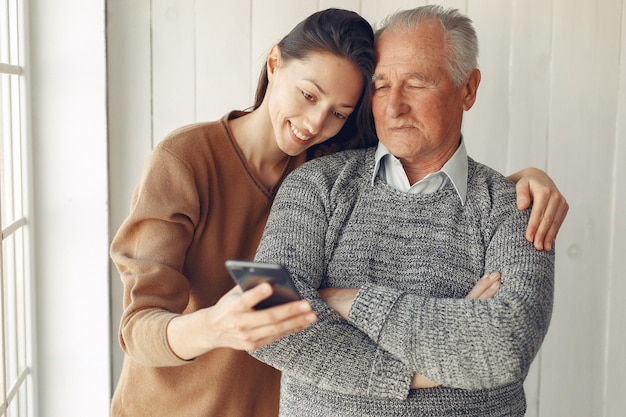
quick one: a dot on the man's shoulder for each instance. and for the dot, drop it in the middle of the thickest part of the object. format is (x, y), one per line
(334, 174)
(482, 175)
(487, 187)
(351, 156)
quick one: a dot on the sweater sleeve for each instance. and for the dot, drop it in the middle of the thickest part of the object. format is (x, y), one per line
(470, 344)
(332, 354)
(149, 251)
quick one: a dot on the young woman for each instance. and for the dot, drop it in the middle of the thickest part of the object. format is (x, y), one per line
(204, 197)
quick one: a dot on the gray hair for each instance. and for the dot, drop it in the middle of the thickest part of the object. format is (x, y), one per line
(458, 30)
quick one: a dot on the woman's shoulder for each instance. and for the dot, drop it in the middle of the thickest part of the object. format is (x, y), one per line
(191, 136)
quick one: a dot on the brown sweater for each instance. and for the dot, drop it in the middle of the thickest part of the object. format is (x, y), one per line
(197, 204)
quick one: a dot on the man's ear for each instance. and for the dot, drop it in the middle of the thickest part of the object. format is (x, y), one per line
(273, 61)
(471, 87)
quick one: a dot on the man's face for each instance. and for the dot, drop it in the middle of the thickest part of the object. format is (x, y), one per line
(417, 109)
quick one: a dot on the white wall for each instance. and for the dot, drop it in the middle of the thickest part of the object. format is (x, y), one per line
(67, 71)
(552, 96)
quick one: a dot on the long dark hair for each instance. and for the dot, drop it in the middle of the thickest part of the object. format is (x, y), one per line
(344, 34)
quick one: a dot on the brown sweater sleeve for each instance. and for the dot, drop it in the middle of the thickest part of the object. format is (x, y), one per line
(149, 251)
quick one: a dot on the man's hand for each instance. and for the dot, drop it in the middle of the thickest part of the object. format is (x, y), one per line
(339, 299)
(486, 287)
(549, 206)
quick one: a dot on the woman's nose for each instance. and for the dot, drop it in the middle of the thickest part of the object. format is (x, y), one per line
(314, 121)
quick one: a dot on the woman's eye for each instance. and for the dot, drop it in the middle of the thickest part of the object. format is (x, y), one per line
(307, 96)
(340, 115)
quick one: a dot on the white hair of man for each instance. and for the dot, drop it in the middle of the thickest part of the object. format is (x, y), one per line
(458, 30)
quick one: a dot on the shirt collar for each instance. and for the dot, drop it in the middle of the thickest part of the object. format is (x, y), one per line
(455, 168)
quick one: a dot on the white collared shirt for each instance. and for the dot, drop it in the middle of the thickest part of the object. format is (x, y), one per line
(389, 169)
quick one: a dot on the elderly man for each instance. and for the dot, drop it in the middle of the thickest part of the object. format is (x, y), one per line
(386, 244)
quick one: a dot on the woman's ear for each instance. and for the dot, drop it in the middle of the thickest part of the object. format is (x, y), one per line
(273, 61)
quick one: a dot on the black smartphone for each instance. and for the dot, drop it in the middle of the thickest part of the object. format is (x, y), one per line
(248, 274)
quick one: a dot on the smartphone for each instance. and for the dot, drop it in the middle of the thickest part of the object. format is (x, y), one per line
(248, 274)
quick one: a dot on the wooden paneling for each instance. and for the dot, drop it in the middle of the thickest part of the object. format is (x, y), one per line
(529, 84)
(615, 401)
(341, 4)
(375, 11)
(223, 58)
(173, 65)
(270, 21)
(552, 96)
(486, 135)
(130, 124)
(582, 118)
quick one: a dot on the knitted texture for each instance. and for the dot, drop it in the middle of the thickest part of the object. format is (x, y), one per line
(414, 258)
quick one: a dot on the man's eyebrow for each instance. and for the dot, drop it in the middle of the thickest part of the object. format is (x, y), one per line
(410, 76)
(417, 76)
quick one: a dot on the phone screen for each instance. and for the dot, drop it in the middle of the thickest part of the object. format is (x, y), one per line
(249, 274)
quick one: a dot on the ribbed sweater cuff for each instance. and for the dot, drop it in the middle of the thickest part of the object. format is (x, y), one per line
(370, 308)
(390, 378)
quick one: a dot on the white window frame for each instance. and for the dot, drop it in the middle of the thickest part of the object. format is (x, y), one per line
(16, 312)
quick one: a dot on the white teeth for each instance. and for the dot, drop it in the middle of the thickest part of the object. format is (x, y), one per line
(299, 134)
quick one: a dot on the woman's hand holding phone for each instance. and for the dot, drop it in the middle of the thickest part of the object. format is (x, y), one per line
(233, 322)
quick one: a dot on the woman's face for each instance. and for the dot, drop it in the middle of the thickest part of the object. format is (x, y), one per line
(309, 100)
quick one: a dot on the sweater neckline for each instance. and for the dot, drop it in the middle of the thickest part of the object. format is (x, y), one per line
(268, 193)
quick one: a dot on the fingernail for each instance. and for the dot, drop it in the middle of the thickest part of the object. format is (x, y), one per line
(494, 276)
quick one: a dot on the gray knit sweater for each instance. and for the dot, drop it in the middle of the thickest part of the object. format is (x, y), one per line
(415, 258)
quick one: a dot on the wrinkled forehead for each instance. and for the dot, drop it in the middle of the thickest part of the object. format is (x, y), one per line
(423, 46)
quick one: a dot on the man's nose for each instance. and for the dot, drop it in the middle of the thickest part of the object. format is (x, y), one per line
(396, 104)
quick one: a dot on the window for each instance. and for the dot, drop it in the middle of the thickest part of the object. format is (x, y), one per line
(16, 399)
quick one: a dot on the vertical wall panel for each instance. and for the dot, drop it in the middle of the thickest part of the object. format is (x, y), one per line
(486, 135)
(375, 11)
(130, 124)
(580, 156)
(340, 4)
(173, 65)
(223, 67)
(529, 84)
(615, 400)
(270, 21)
